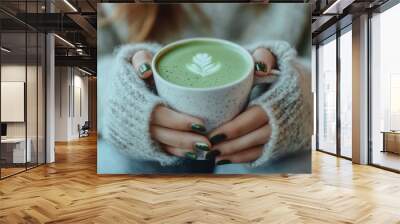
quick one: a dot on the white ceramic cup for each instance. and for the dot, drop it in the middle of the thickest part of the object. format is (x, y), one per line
(215, 105)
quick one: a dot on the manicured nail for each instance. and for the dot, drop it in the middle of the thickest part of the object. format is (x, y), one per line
(144, 68)
(217, 139)
(198, 128)
(260, 66)
(190, 155)
(201, 146)
(212, 154)
(223, 162)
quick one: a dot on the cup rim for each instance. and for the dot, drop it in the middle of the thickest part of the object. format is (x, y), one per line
(183, 41)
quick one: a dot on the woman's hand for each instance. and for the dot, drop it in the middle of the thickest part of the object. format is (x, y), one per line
(264, 61)
(141, 61)
(242, 139)
(178, 133)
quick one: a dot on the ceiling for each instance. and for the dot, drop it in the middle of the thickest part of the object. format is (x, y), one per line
(332, 15)
(72, 20)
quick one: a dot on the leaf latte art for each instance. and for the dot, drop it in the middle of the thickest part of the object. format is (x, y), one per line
(202, 65)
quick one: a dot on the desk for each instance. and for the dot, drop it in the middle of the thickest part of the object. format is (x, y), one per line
(391, 141)
(13, 150)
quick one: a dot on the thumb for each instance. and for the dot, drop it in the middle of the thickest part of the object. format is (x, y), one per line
(141, 61)
(264, 61)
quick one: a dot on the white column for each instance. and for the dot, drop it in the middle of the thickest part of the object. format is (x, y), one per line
(360, 90)
(50, 100)
(50, 92)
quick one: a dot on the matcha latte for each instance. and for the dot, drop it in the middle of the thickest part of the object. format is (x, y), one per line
(202, 64)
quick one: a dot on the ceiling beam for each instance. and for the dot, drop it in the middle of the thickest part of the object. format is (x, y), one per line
(84, 24)
(77, 61)
(337, 7)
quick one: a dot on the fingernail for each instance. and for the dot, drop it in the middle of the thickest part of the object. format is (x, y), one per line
(260, 66)
(212, 154)
(201, 146)
(198, 128)
(144, 68)
(223, 162)
(190, 155)
(217, 138)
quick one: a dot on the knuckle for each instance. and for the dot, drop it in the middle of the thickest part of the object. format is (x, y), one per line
(141, 52)
(225, 148)
(233, 130)
(182, 143)
(136, 56)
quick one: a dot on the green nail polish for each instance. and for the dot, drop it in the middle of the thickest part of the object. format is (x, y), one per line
(201, 146)
(260, 66)
(190, 155)
(217, 139)
(223, 162)
(198, 128)
(144, 68)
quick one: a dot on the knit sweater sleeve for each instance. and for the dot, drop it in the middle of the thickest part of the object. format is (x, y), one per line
(129, 108)
(288, 104)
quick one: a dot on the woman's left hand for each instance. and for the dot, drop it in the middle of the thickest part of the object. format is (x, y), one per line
(242, 139)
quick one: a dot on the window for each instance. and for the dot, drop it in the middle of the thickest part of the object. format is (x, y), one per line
(327, 97)
(385, 89)
(346, 94)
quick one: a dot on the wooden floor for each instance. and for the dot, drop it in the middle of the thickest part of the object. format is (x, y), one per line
(5, 172)
(70, 191)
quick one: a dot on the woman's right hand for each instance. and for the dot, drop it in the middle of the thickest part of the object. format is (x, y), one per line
(179, 134)
(141, 61)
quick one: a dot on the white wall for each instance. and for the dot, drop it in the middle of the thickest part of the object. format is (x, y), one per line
(12, 73)
(62, 81)
(80, 84)
(70, 83)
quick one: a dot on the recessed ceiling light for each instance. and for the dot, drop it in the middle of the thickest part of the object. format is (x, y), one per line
(70, 5)
(64, 40)
(5, 50)
(84, 71)
(328, 10)
(337, 7)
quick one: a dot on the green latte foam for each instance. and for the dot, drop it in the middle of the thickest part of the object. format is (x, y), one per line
(202, 64)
